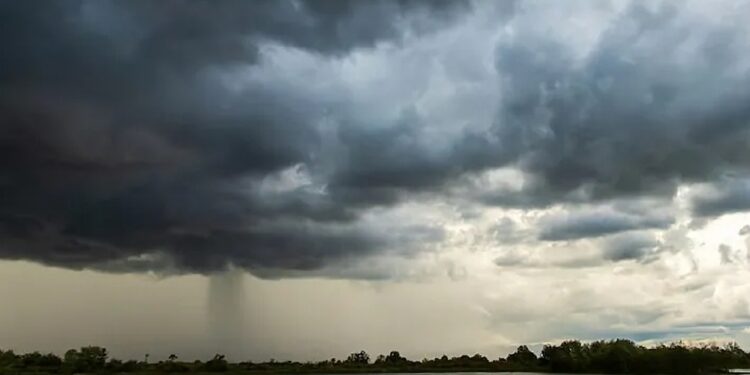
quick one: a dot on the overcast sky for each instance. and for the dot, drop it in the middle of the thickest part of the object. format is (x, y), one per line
(303, 179)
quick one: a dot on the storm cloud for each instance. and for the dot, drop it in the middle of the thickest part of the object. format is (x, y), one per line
(188, 136)
(124, 148)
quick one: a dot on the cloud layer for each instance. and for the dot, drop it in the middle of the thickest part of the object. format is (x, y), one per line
(294, 136)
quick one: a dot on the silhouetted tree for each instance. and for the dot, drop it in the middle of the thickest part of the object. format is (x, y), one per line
(217, 364)
(523, 357)
(32, 362)
(395, 357)
(361, 358)
(87, 359)
(617, 356)
(569, 356)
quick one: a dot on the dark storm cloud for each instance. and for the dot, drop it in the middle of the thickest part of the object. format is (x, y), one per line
(381, 165)
(126, 143)
(723, 197)
(272, 248)
(122, 147)
(587, 224)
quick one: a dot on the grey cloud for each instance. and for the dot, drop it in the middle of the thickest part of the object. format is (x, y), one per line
(508, 232)
(638, 246)
(511, 260)
(596, 223)
(615, 123)
(725, 196)
(726, 254)
(534, 194)
(745, 231)
(622, 121)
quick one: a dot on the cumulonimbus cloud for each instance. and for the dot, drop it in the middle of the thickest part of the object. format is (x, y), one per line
(120, 138)
(126, 142)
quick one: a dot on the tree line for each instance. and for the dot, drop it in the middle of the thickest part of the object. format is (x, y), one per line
(612, 357)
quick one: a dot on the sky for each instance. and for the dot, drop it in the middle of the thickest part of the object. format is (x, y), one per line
(304, 179)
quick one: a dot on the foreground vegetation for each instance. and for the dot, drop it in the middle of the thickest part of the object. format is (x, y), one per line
(615, 357)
